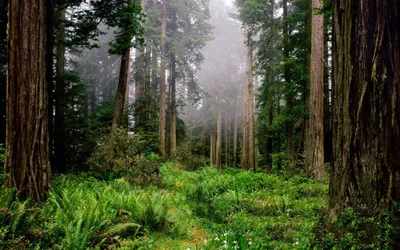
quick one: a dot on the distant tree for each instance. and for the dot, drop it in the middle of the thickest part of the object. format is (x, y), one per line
(27, 149)
(162, 130)
(127, 16)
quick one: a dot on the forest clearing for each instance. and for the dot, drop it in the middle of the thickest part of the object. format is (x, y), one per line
(199, 124)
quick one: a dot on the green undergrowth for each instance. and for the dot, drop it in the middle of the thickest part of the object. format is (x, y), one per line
(205, 209)
(245, 210)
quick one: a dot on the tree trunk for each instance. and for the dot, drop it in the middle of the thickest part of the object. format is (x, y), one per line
(121, 91)
(154, 83)
(173, 109)
(315, 163)
(250, 99)
(366, 107)
(163, 78)
(270, 141)
(59, 128)
(173, 96)
(27, 149)
(288, 82)
(235, 129)
(3, 66)
(226, 137)
(244, 161)
(219, 136)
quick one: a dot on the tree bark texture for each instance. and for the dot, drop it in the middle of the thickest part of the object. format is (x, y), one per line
(59, 128)
(122, 88)
(315, 163)
(27, 149)
(366, 104)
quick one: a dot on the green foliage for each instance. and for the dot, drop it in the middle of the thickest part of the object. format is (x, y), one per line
(273, 211)
(127, 17)
(188, 159)
(116, 152)
(82, 213)
(357, 228)
(122, 154)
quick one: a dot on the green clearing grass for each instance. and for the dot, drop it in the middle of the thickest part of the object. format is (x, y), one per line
(206, 209)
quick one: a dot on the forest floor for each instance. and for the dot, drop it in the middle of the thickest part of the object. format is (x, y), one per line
(205, 209)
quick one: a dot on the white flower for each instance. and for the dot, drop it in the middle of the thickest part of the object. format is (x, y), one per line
(225, 234)
(225, 242)
(188, 248)
(234, 242)
(297, 242)
(250, 242)
(216, 238)
(205, 241)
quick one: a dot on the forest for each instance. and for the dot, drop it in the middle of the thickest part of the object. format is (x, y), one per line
(199, 124)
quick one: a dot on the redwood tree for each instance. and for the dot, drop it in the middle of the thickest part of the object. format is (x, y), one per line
(27, 141)
(315, 135)
(163, 78)
(366, 104)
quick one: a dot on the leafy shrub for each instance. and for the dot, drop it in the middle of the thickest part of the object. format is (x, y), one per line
(188, 159)
(145, 171)
(115, 152)
(121, 154)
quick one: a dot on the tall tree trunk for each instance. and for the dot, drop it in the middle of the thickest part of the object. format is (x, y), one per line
(139, 86)
(270, 82)
(289, 94)
(315, 163)
(250, 99)
(244, 161)
(226, 137)
(154, 83)
(163, 78)
(219, 135)
(235, 135)
(121, 91)
(59, 128)
(306, 88)
(3, 66)
(173, 109)
(147, 84)
(173, 95)
(366, 108)
(27, 149)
